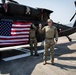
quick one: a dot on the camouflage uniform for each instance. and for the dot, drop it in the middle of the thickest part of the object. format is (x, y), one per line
(50, 34)
(33, 41)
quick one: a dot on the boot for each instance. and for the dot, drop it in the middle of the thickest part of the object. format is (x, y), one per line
(44, 59)
(36, 54)
(52, 61)
(44, 62)
(31, 51)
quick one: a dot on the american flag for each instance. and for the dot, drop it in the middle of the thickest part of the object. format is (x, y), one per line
(14, 33)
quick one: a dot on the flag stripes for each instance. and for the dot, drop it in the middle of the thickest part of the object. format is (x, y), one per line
(14, 33)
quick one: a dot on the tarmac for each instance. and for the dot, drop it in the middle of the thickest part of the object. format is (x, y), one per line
(65, 60)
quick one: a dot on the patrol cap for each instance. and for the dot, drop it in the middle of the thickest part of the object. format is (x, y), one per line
(49, 20)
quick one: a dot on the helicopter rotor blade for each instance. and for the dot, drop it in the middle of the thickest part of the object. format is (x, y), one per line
(75, 3)
(75, 12)
(73, 17)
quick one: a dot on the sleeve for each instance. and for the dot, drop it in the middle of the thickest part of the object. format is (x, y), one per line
(42, 30)
(56, 34)
(34, 27)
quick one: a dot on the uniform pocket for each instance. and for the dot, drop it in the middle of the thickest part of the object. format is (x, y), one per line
(51, 42)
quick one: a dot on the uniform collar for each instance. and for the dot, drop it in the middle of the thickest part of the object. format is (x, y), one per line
(49, 27)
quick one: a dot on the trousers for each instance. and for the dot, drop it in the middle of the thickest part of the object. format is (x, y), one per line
(49, 44)
(33, 45)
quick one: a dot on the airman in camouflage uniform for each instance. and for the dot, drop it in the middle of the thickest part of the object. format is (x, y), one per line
(50, 33)
(33, 41)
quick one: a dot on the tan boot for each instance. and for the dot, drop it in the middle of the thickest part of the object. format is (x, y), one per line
(44, 63)
(52, 62)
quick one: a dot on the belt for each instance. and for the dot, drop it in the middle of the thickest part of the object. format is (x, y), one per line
(49, 38)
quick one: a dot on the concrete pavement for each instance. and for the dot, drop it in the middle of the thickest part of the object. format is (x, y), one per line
(65, 62)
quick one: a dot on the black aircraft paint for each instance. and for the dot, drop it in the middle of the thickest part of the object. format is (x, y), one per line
(18, 12)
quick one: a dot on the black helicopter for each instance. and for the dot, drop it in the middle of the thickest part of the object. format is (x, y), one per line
(16, 12)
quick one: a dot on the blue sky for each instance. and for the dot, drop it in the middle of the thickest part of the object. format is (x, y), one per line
(63, 9)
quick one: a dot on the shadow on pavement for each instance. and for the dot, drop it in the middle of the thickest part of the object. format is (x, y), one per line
(66, 67)
(26, 65)
(23, 66)
(67, 58)
(63, 49)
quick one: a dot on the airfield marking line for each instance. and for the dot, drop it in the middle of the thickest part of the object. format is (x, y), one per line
(27, 50)
(21, 55)
(14, 47)
(22, 49)
(16, 57)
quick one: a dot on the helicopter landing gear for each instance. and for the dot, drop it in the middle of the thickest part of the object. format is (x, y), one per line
(69, 38)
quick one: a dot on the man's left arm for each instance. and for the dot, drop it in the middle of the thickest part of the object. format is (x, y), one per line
(56, 35)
